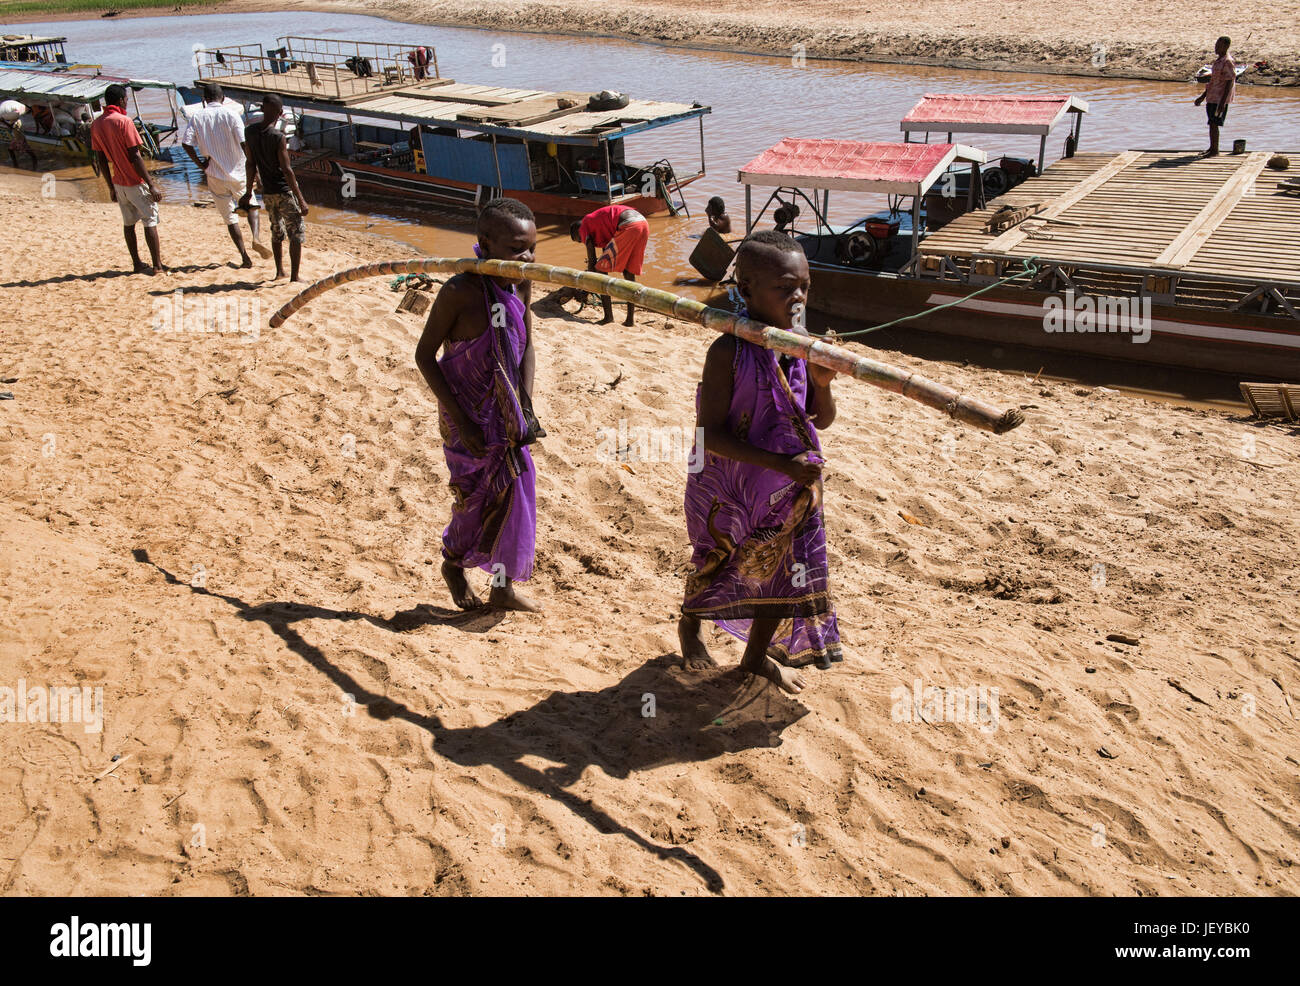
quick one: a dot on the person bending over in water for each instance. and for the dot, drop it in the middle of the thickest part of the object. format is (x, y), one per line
(484, 383)
(754, 509)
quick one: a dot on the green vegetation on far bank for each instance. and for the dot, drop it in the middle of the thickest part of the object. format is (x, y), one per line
(10, 8)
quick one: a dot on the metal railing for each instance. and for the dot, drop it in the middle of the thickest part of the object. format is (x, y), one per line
(312, 67)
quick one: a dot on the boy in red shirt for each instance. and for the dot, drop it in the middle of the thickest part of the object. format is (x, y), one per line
(117, 143)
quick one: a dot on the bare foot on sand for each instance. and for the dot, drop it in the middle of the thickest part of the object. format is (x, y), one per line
(507, 597)
(262, 249)
(695, 656)
(144, 269)
(786, 679)
(461, 593)
(607, 320)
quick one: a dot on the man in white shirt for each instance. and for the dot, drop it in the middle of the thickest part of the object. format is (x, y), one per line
(217, 131)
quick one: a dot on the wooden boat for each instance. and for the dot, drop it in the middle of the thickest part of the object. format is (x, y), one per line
(1146, 256)
(73, 97)
(39, 54)
(1205, 71)
(368, 124)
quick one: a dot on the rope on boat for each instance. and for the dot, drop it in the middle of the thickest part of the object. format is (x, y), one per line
(968, 410)
(1030, 269)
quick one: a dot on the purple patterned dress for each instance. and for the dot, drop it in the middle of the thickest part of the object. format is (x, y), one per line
(494, 513)
(758, 536)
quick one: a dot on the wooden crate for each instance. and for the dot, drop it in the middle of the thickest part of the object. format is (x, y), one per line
(1273, 400)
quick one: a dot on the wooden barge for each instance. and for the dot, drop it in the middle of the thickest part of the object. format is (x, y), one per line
(1150, 256)
(365, 116)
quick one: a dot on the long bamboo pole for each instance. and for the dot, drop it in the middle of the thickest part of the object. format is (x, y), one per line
(968, 410)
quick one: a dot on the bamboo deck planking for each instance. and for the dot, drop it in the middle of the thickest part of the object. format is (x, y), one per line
(1217, 216)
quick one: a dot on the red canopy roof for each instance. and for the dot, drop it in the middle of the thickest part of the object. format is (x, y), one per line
(854, 165)
(990, 113)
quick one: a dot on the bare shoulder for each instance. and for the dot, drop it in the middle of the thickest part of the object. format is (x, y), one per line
(460, 302)
(721, 351)
(459, 291)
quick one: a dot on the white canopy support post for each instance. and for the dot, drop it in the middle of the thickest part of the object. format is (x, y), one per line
(916, 223)
(701, 119)
(1042, 153)
(749, 210)
(609, 178)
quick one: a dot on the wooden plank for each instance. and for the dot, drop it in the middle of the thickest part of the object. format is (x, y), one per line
(1205, 222)
(1080, 191)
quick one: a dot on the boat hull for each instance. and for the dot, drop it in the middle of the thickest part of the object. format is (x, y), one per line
(407, 185)
(1236, 343)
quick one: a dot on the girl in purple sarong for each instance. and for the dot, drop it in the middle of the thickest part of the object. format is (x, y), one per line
(484, 383)
(754, 511)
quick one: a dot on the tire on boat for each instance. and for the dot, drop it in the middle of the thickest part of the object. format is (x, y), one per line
(996, 181)
(607, 100)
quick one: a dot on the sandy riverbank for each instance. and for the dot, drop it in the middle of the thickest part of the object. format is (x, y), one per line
(229, 534)
(1165, 39)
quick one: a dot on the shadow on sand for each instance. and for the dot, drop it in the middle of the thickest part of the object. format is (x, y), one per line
(695, 718)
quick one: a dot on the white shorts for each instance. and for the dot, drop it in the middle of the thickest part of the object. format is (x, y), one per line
(137, 205)
(226, 194)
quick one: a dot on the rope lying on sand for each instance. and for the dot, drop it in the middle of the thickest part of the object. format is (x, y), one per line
(968, 410)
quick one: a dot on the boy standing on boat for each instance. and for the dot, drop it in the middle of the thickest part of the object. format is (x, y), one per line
(621, 233)
(117, 144)
(1218, 92)
(268, 159)
(217, 132)
(484, 384)
(754, 511)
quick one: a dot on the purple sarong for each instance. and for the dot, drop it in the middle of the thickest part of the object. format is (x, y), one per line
(759, 537)
(494, 513)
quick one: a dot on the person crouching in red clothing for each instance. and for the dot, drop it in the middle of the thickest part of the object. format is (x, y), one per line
(621, 233)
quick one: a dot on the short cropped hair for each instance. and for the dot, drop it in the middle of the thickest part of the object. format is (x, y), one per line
(211, 92)
(1226, 40)
(503, 209)
(274, 101)
(716, 206)
(115, 94)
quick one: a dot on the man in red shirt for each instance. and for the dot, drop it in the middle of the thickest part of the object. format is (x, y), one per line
(1218, 92)
(117, 144)
(622, 234)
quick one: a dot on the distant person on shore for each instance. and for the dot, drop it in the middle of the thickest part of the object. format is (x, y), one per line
(719, 221)
(117, 144)
(268, 160)
(18, 144)
(754, 510)
(1218, 92)
(216, 131)
(484, 384)
(621, 233)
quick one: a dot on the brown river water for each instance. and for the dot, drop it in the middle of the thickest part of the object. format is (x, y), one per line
(756, 101)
